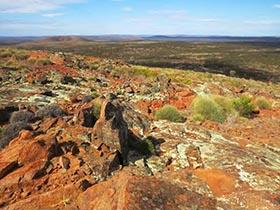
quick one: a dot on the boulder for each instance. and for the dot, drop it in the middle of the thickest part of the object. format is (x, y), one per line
(6, 112)
(22, 116)
(125, 191)
(12, 132)
(111, 129)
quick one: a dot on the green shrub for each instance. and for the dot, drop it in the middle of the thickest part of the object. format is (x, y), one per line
(225, 103)
(21, 56)
(143, 71)
(6, 54)
(96, 110)
(206, 108)
(263, 103)
(244, 106)
(43, 62)
(169, 113)
(146, 147)
(32, 61)
(94, 65)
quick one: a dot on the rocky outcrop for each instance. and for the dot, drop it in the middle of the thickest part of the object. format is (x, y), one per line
(111, 129)
(127, 191)
(70, 156)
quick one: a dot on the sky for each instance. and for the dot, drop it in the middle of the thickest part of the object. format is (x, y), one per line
(140, 17)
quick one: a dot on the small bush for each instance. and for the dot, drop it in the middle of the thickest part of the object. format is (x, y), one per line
(22, 116)
(96, 109)
(244, 106)
(146, 147)
(214, 108)
(169, 113)
(11, 132)
(225, 103)
(94, 66)
(43, 62)
(50, 111)
(6, 54)
(32, 61)
(263, 103)
(21, 56)
(143, 71)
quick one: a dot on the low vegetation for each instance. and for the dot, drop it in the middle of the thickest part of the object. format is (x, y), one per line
(43, 62)
(6, 54)
(219, 108)
(244, 105)
(21, 55)
(212, 108)
(169, 113)
(246, 60)
(263, 103)
(146, 147)
(96, 109)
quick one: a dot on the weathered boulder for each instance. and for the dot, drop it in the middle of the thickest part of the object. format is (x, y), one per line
(11, 132)
(6, 112)
(50, 111)
(125, 191)
(22, 116)
(111, 129)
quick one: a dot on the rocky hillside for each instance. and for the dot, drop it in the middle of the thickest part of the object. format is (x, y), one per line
(79, 132)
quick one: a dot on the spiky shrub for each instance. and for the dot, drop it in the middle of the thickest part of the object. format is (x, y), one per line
(226, 104)
(206, 108)
(94, 65)
(6, 53)
(43, 62)
(263, 103)
(21, 56)
(244, 106)
(169, 113)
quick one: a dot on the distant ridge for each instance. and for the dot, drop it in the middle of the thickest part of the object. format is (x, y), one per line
(63, 39)
(116, 38)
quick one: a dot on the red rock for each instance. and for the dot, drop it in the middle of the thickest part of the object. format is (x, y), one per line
(125, 191)
(219, 181)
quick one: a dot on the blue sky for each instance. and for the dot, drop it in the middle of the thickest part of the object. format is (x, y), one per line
(96, 17)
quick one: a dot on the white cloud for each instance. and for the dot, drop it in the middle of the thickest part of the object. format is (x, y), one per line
(262, 22)
(209, 20)
(33, 6)
(127, 9)
(51, 15)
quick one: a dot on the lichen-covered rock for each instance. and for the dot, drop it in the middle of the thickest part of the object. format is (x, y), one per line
(111, 129)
